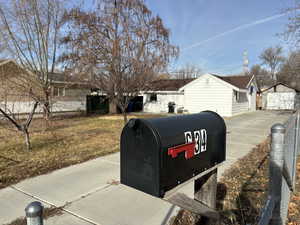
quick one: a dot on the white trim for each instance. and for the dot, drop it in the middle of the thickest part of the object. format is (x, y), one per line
(64, 82)
(250, 81)
(243, 90)
(162, 92)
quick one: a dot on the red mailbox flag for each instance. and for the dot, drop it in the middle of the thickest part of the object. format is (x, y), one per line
(188, 148)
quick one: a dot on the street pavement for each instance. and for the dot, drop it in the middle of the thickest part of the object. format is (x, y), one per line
(91, 194)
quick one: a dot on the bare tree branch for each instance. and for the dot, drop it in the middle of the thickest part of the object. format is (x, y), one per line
(31, 31)
(120, 45)
(272, 57)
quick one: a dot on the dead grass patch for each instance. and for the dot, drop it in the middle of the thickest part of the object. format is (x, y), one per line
(243, 190)
(68, 141)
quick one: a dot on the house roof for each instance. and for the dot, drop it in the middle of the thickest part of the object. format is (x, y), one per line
(279, 83)
(169, 84)
(57, 77)
(2, 60)
(238, 81)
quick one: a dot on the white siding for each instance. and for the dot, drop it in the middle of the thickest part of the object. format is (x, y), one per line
(208, 93)
(58, 106)
(240, 106)
(280, 100)
(253, 101)
(19, 107)
(65, 106)
(161, 105)
(246, 102)
(279, 97)
(252, 97)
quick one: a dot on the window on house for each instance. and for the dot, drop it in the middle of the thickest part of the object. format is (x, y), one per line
(59, 91)
(240, 96)
(236, 96)
(153, 97)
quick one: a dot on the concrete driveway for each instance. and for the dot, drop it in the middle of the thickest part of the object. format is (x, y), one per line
(90, 193)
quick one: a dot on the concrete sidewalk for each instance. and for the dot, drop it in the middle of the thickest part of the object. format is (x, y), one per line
(90, 193)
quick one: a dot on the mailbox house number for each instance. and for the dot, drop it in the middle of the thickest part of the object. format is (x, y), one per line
(195, 142)
(200, 139)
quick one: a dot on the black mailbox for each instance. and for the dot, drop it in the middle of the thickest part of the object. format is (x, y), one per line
(160, 153)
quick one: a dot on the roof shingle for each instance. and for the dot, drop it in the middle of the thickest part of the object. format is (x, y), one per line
(169, 84)
(238, 81)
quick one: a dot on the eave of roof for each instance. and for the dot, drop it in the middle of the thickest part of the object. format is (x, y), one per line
(240, 82)
(227, 80)
(280, 83)
(169, 84)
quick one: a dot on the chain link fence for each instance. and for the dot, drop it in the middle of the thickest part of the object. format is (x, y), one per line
(283, 160)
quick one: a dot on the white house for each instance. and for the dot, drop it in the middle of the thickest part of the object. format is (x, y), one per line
(65, 95)
(226, 95)
(163, 92)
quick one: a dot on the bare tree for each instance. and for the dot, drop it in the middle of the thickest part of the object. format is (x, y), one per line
(19, 89)
(292, 31)
(163, 76)
(30, 31)
(263, 77)
(272, 57)
(289, 72)
(120, 47)
(187, 72)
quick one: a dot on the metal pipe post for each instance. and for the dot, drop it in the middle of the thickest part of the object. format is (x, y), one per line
(34, 213)
(276, 166)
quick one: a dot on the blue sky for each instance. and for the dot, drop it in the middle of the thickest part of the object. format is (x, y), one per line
(213, 34)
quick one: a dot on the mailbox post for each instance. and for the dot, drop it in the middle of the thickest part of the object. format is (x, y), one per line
(159, 154)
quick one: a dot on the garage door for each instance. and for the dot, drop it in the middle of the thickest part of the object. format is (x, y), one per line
(280, 100)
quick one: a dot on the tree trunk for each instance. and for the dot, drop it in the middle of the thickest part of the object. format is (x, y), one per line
(125, 116)
(46, 111)
(27, 139)
(22, 127)
(46, 106)
(112, 107)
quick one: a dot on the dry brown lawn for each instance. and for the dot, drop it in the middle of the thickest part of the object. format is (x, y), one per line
(70, 140)
(243, 189)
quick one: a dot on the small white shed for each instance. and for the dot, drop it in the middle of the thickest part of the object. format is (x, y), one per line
(279, 96)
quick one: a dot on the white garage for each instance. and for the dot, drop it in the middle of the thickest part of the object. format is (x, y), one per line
(279, 96)
(280, 100)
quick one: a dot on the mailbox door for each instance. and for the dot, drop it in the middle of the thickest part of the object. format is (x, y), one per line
(208, 131)
(140, 157)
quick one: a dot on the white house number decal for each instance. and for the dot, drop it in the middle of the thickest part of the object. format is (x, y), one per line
(200, 138)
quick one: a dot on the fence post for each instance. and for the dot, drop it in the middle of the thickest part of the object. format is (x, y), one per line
(296, 151)
(205, 191)
(297, 121)
(276, 165)
(34, 213)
